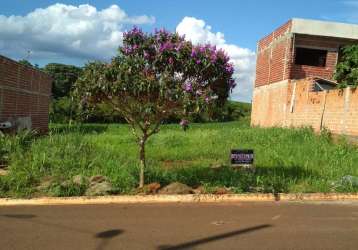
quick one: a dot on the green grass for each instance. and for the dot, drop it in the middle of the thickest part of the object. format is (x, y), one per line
(286, 160)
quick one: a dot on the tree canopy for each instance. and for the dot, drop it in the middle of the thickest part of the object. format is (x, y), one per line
(154, 76)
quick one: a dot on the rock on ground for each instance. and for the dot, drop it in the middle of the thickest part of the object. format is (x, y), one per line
(46, 183)
(152, 188)
(97, 179)
(103, 188)
(3, 172)
(350, 180)
(222, 190)
(176, 188)
(99, 185)
(79, 180)
(199, 190)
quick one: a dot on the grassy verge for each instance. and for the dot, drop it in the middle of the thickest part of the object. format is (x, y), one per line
(287, 160)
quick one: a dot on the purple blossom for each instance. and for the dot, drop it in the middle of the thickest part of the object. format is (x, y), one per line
(161, 33)
(221, 54)
(207, 99)
(188, 87)
(146, 55)
(165, 46)
(198, 61)
(179, 47)
(229, 68)
(193, 53)
(213, 58)
(202, 49)
(127, 50)
(211, 48)
(170, 61)
(199, 92)
(184, 124)
(134, 32)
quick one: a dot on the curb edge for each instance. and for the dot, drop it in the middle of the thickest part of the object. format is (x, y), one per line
(190, 198)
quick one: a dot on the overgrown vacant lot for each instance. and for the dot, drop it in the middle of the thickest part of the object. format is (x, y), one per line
(287, 160)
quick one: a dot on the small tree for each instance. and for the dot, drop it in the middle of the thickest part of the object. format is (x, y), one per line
(347, 69)
(155, 76)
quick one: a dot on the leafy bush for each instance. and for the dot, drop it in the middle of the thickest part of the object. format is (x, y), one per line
(347, 69)
(4, 149)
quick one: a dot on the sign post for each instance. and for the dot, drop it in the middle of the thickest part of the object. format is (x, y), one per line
(242, 158)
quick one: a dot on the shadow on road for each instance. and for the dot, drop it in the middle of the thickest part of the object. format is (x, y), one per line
(188, 245)
(106, 236)
(109, 233)
(45, 223)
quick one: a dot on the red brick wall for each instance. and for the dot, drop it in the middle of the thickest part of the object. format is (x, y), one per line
(278, 77)
(269, 104)
(24, 92)
(276, 56)
(292, 103)
(273, 52)
(332, 45)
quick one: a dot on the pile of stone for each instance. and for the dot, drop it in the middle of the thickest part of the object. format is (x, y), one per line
(97, 185)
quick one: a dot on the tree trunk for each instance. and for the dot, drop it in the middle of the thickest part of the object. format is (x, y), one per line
(142, 161)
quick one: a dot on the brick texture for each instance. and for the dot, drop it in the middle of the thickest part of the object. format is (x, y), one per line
(282, 94)
(276, 56)
(273, 54)
(292, 103)
(303, 71)
(24, 92)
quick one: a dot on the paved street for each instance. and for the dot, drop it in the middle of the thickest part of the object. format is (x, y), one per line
(265, 225)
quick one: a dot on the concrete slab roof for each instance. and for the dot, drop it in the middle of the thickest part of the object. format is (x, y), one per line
(324, 28)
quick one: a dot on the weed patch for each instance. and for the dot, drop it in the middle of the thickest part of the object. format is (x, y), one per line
(286, 160)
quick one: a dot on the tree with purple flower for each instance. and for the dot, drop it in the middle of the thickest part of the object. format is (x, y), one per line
(154, 76)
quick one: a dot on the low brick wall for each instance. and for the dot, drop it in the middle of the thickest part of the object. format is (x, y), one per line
(25, 94)
(293, 103)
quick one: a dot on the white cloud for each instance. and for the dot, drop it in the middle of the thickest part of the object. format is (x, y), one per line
(244, 59)
(65, 31)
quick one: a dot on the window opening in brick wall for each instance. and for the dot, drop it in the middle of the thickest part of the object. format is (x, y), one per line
(322, 85)
(311, 57)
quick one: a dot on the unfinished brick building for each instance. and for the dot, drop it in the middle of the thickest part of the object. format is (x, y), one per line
(24, 97)
(294, 71)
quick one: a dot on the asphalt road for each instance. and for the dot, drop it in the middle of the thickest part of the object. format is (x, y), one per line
(265, 225)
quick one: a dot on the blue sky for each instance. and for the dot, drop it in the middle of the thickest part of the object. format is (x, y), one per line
(61, 31)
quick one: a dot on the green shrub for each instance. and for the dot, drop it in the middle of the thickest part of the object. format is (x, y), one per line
(347, 69)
